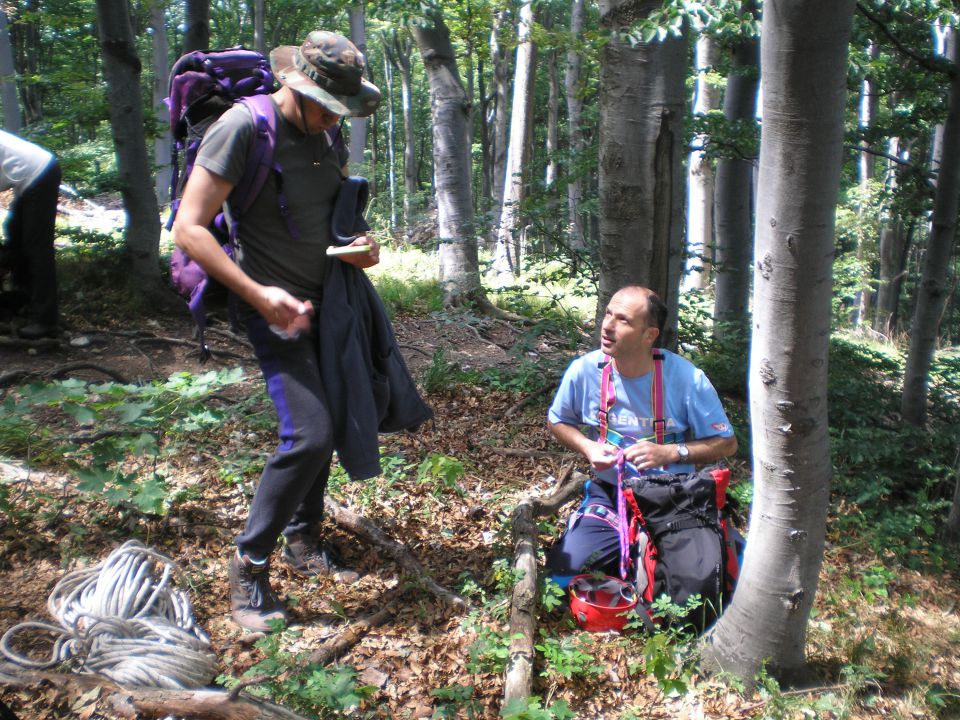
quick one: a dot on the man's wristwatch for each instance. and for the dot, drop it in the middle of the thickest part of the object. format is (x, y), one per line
(683, 451)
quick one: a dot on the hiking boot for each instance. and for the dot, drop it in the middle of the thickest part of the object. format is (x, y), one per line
(253, 603)
(308, 556)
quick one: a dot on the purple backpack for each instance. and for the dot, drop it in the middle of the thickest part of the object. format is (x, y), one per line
(203, 85)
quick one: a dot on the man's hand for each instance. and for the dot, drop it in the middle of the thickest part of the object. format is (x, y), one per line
(600, 455)
(363, 260)
(283, 310)
(645, 455)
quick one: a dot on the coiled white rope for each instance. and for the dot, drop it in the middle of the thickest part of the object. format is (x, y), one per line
(126, 620)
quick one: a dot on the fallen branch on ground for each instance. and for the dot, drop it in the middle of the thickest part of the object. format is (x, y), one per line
(525, 453)
(513, 409)
(354, 632)
(135, 702)
(518, 681)
(366, 529)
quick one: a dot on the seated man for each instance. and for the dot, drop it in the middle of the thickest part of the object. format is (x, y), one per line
(694, 428)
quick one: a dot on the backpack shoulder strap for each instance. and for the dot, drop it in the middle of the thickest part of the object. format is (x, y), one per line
(656, 398)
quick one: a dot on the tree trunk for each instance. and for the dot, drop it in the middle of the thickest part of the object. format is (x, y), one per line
(641, 146)
(804, 56)
(27, 43)
(509, 249)
(8, 80)
(934, 288)
(700, 180)
(197, 34)
(459, 264)
(399, 54)
(501, 118)
(573, 85)
(358, 125)
(391, 154)
(259, 20)
(121, 70)
(893, 259)
(733, 201)
(161, 75)
(869, 108)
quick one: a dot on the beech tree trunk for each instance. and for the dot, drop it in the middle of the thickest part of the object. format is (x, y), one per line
(733, 200)
(399, 53)
(27, 51)
(509, 250)
(391, 142)
(197, 34)
(358, 125)
(499, 123)
(573, 87)
(8, 80)
(259, 20)
(804, 55)
(161, 77)
(641, 147)
(459, 264)
(934, 287)
(869, 107)
(700, 177)
(121, 70)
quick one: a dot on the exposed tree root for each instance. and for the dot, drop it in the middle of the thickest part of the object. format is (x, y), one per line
(514, 409)
(19, 375)
(354, 632)
(140, 702)
(366, 529)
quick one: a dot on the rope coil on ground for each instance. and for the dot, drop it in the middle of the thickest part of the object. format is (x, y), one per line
(126, 620)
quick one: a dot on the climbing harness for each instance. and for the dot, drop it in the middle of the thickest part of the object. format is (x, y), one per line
(125, 620)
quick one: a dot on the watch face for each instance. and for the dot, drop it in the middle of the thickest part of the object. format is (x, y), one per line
(683, 451)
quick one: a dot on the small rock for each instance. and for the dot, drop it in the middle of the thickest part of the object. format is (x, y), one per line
(80, 341)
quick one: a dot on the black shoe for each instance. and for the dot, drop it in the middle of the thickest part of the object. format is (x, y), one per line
(36, 331)
(309, 557)
(253, 603)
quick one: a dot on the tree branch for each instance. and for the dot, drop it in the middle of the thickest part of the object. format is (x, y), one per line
(937, 65)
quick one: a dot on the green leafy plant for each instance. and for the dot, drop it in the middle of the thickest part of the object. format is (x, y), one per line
(297, 683)
(444, 471)
(531, 709)
(457, 702)
(567, 657)
(440, 374)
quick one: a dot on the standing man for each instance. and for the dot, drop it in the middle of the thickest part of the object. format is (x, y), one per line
(695, 430)
(34, 175)
(279, 283)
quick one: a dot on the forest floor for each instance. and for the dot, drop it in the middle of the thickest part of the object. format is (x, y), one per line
(456, 529)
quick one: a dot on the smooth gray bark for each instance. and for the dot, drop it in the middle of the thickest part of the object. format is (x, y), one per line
(641, 146)
(804, 58)
(8, 80)
(734, 201)
(509, 250)
(391, 149)
(499, 110)
(934, 287)
(459, 264)
(700, 176)
(358, 125)
(868, 110)
(161, 76)
(197, 34)
(121, 70)
(259, 15)
(399, 52)
(573, 87)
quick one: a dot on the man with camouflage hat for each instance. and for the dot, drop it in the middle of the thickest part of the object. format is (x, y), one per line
(278, 281)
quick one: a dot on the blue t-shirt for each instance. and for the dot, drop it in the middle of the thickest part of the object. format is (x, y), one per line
(691, 407)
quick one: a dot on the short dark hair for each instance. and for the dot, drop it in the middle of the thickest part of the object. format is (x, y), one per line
(656, 312)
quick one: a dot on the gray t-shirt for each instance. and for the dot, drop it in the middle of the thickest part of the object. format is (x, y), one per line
(311, 179)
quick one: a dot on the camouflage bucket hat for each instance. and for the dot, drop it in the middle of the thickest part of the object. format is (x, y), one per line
(328, 69)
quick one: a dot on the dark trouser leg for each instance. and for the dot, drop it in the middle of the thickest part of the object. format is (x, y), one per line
(30, 234)
(590, 544)
(289, 498)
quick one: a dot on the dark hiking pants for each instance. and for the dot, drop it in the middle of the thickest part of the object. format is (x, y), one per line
(29, 251)
(289, 498)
